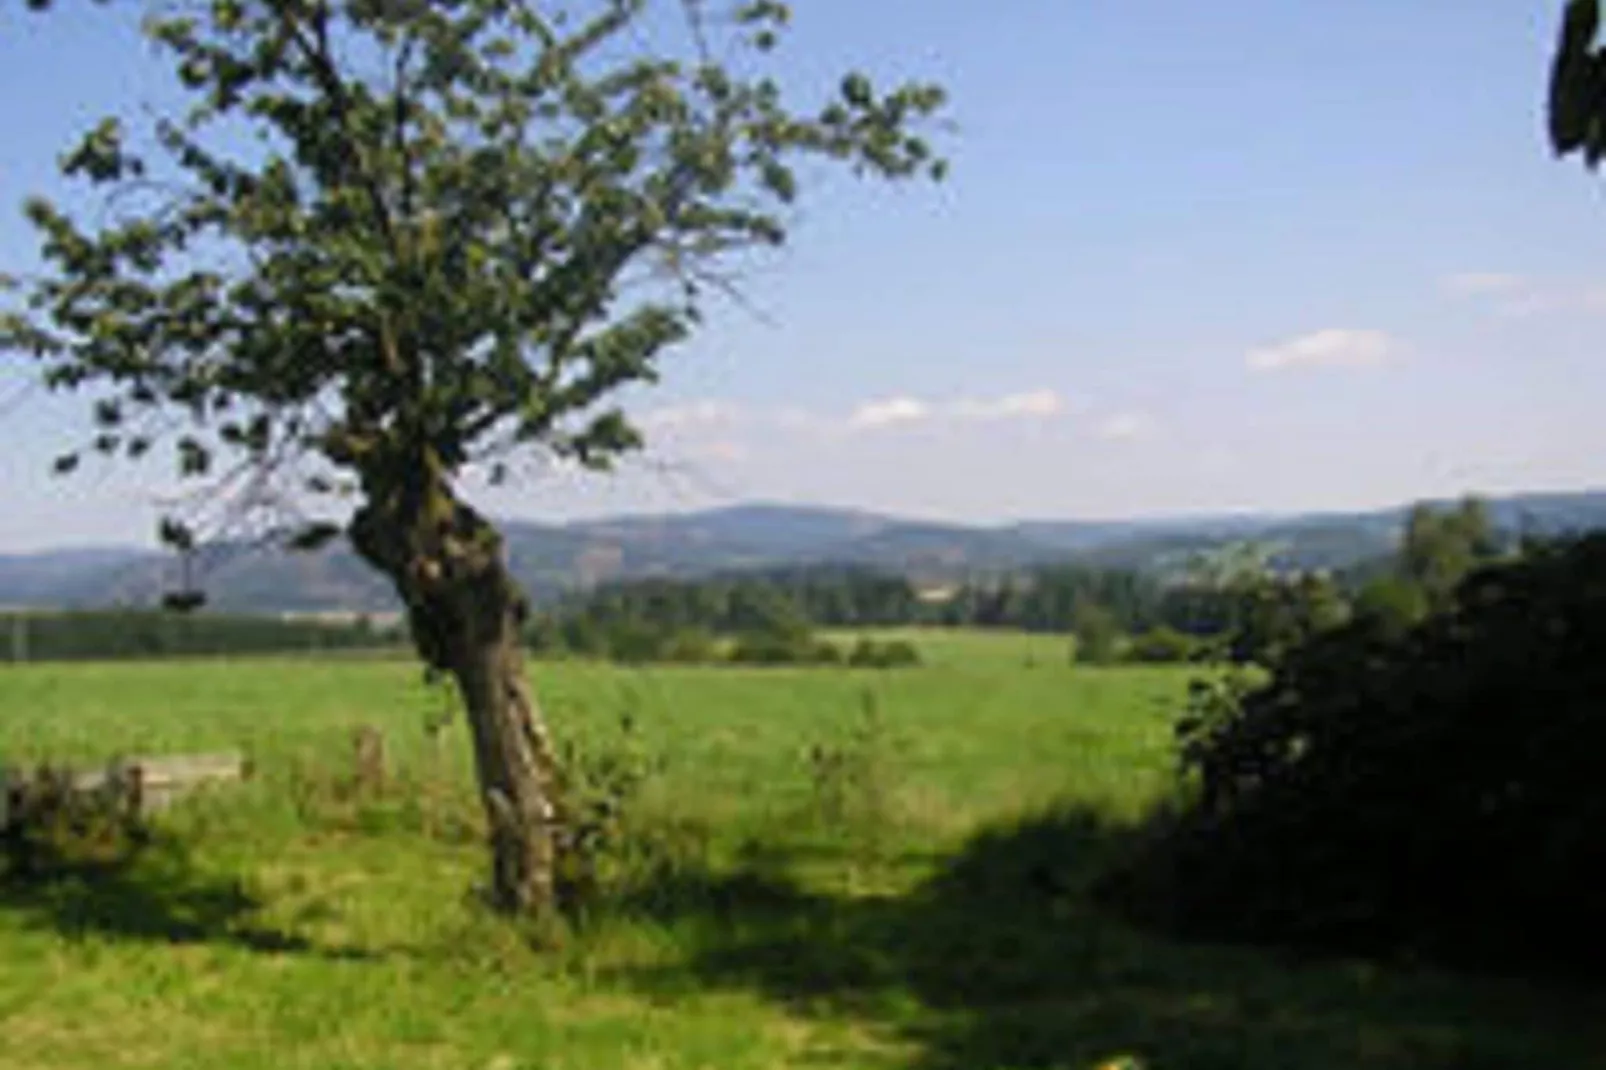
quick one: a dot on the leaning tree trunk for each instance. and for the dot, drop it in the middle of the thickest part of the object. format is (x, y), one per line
(518, 775)
(466, 614)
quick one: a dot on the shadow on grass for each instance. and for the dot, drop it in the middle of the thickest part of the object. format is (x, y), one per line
(159, 896)
(1000, 960)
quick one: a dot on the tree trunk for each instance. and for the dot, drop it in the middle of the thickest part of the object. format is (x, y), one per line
(518, 775)
(466, 615)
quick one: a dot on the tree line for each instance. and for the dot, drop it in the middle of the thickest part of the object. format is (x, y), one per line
(118, 634)
(772, 617)
(1246, 615)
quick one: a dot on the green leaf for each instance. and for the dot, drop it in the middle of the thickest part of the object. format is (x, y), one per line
(194, 459)
(856, 90)
(176, 534)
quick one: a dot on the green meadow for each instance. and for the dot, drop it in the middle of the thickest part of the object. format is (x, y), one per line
(833, 869)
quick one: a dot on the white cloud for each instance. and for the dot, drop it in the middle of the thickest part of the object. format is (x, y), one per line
(1126, 426)
(886, 413)
(1032, 403)
(710, 419)
(1331, 348)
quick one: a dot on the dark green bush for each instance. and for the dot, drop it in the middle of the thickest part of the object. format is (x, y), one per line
(1433, 791)
(826, 653)
(869, 653)
(763, 649)
(1163, 646)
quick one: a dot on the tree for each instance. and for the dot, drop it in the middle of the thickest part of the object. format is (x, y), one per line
(1432, 788)
(1098, 634)
(1391, 604)
(1440, 547)
(389, 241)
(1163, 645)
(1277, 614)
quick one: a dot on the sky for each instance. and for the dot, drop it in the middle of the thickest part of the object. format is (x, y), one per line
(1244, 255)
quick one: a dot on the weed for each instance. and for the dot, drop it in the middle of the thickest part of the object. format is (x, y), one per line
(852, 777)
(53, 822)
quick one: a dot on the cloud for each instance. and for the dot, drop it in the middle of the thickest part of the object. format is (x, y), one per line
(711, 418)
(1331, 348)
(904, 410)
(1126, 426)
(898, 410)
(1032, 403)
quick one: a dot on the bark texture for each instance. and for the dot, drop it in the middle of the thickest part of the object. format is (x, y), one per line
(466, 614)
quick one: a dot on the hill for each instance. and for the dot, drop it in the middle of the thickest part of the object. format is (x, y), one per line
(552, 558)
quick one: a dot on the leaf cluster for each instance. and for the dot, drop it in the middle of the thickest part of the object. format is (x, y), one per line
(396, 235)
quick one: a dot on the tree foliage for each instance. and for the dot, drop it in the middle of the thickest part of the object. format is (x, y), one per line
(1431, 792)
(429, 256)
(1274, 615)
(1441, 546)
(1577, 100)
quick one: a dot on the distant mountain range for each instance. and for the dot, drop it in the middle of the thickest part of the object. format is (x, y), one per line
(552, 559)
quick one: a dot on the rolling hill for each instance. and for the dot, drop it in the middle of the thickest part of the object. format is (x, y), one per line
(550, 559)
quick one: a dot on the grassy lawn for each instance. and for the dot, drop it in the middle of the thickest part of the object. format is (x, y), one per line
(939, 924)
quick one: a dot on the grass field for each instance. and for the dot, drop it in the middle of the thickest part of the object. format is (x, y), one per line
(939, 923)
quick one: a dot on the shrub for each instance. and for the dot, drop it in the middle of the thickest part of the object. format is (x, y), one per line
(614, 843)
(853, 777)
(760, 649)
(1163, 646)
(1098, 636)
(52, 824)
(896, 654)
(783, 649)
(825, 653)
(1433, 791)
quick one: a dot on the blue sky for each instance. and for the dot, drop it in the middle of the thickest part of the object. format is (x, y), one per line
(1249, 254)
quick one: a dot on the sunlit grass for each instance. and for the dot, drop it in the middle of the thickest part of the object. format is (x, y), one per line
(304, 935)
